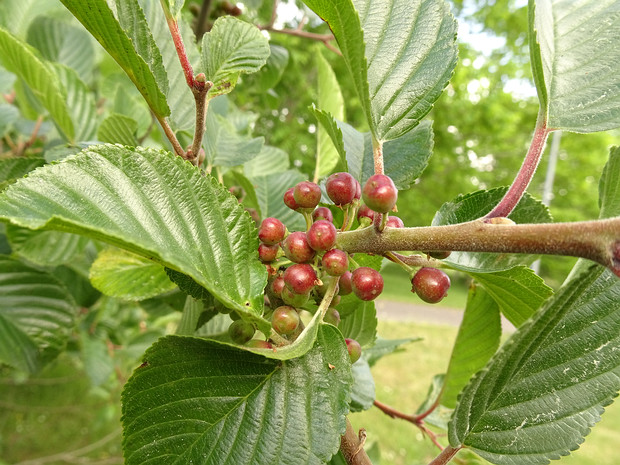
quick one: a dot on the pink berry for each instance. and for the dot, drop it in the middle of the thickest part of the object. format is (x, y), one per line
(365, 212)
(271, 231)
(354, 349)
(367, 283)
(341, 188)
(335, 262)
(431, 284)
(395, 222)
(345, 283)
(300, 278)
(322, 235)
(307, 194)
(285, 320)
(297, 249)
(289, 199)
(380, 193)
(323, 213)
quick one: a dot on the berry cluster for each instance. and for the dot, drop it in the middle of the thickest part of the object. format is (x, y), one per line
(303, 264)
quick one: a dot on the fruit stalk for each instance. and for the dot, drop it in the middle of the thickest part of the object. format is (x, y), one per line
(597, 240)
(352, 447)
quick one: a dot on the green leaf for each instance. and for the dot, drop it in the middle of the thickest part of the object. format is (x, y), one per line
(179, 96)
(359, 324)
(328, 126)
(45, 248)
(122, 274)
(14, 168)
(477, 204)
(404, 158)
(345, 24)
(576, 63)
(383, 347)
(174, 6)
(99, 20)
(270, 74)
(61, 42)
(270, 190)
(363, 393)
(151, 203)
(40, 77)
(232, 47)
(330, 100)
(118, 129)
(80, 102)
(609, 186)
(555, 374)
(183, 405)
(131, 18)
(401, 56)
(519, 292)
(98, 363)
(476, 342)
(36, 316)
(191, 314)
(187, 285)
(16, 15)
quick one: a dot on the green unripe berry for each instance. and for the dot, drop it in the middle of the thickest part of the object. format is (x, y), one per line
(241, 331)
(285, 320)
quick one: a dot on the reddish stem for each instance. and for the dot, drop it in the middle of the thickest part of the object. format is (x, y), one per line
(446, 455)
(180, 48)
(526, 172)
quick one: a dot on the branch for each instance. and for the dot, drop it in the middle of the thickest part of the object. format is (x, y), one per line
(597, 240)
(171, 136)
(352, 446)
(446, 455)
(201, 24)
(526, 172)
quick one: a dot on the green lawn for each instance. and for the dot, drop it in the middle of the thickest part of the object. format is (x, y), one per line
(60, 412)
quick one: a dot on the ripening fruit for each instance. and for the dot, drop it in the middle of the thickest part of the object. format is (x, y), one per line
(332, 316)
(271, 231)
(341, 188)
(285, 320)
(289, 199)
(380, 193)
(297, 249)
(321, 235)
(345, 283)
(335, 262)
(268, 253)
(323, 213)
(354, 349)
(307, 194)
(395, 222)
(431, 284)
(367, 283)
(277, 285)
(365, 212)
(259, 344)
(240, 331)
(293, 299)
(300, 278)
(440, 254)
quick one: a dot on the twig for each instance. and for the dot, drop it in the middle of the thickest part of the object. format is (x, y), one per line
(201, 24)
(526, 172)
(446, 455)
(171, 136)
(352, 447)
(274, 13)
(22, 147)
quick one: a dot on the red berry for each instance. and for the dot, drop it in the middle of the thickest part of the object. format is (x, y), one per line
(380, 193)
(345, 284)
(277, 285)
(341, 188)
(289, 199)
(323, 213)
(367, 283)
(354, 349)
(332, 316)
(268, 253)
(271, 231)
(300, 278)
(241, 331)
(358, 190)
(321, 235)
(297, 249)
(395, 222)
(431, 284)
(336, 301)
(335, 262)
(365, 212)
(285, 320)
(307, 194)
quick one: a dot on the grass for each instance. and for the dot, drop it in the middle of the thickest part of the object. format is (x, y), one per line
(59, 411)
